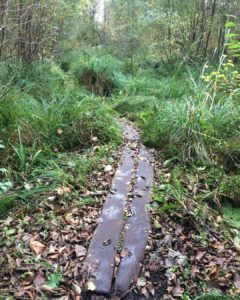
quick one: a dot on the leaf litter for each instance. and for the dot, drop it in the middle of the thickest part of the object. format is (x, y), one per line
(42, 251)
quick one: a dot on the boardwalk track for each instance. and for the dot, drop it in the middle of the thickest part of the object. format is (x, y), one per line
(124, 222)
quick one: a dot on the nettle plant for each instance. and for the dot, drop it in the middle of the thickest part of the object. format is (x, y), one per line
(4, 185)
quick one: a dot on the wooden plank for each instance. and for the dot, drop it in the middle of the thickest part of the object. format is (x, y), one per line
(137, 227)
(99, 264)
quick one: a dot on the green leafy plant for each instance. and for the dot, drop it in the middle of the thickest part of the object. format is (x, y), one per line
(4, 185)
(233, 43)
(53, 280)
(23, 161)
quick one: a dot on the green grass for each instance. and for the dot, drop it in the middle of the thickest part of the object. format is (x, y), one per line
(180, 114)
(191, 128)
(48, 123)
(216, 295)
(52, 170)
(101, 66)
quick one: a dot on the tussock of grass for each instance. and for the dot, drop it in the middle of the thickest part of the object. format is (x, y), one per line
(193, 128)
(97, 73)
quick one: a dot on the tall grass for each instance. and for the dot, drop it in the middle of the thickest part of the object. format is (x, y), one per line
(180, 114)
(191, 128)
(53, 110)
(102, 66)
(44, 113)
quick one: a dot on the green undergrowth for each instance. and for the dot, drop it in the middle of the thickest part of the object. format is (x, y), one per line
(194, 125)
(197, 198)
(97, 71)
(52, 171)
(188, 116)
(205, 184)
(47, 117)
(216, 295)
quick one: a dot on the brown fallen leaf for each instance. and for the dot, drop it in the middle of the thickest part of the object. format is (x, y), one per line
(39, 280)
(141, 282)
(177, 291)
(214, 272)
(80, 251)
(125, 252)
(63, 190)
(37, 247)
(200, 255)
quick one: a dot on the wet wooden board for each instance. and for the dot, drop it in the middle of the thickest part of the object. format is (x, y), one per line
(129, 132)
(137, 227)
(99, 264)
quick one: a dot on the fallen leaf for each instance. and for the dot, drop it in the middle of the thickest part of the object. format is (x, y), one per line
(63, 190)
(144, 292)
(37, 247)
(39, 280)
(46, 288)
(125, 252)
(141, 282)
(80, 251)
(76, 289)
(108, 168)
(8, 221)
(214, 272)
(91, 286)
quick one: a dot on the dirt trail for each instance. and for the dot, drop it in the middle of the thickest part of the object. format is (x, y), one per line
(118, 244)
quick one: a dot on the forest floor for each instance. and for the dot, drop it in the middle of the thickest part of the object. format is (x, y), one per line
(43, 249)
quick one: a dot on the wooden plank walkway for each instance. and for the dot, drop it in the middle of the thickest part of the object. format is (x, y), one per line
(100, 261)
(137, 227)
